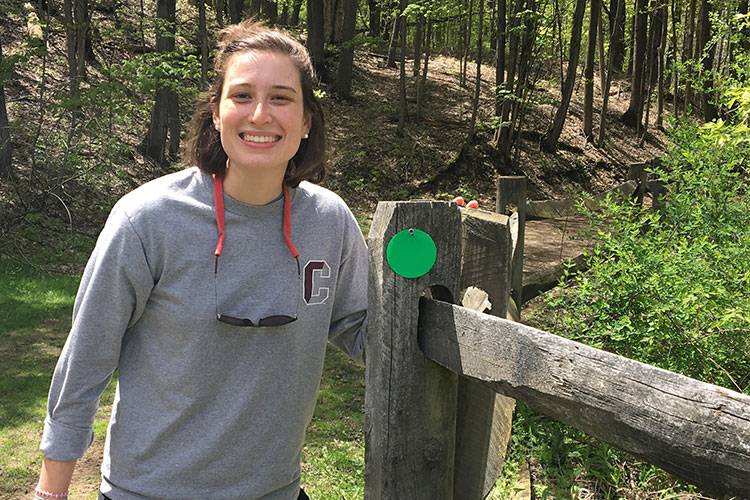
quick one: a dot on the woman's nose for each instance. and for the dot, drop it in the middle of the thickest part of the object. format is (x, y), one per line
(261, 113)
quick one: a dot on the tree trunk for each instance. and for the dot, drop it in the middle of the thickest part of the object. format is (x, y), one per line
(467, 52)
(256, 6)
(521, 85)
(676, 13)
(235, 10)
(346, 59)
(294, 21)
(632, 117)
(608, 82)
(164, 114)
(588, 72)
(649, 70)
(6, 149)
(315, 35)
(374, 17)
(76, 27)
(742, 9)
(549, 142)
(660, 63)
(463, 45)
(391, 59)
(270, 11)
(402, 109)
(617, 33)
(688, 53)
(418, 35)
(219, 9)
(422, 85)
(500, 65)
(502, 134)
(709, 109)
(477, 85)
(203, 39)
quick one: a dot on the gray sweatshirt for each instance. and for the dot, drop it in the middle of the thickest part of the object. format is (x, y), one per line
(205, 410)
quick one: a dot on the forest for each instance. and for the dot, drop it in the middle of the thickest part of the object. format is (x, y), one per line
(422, 99)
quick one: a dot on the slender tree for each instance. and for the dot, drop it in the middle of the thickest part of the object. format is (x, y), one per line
(395, 33)
(402, 109)
(709, 108)
(235, 10)
(165, 119)
(76, 25)
(500, 53)
(478, 82)
(6, 148)
(422, 84)
(203, 40)
(346, 59)
(664, 13)
(617, 33)
(607, 84)
(688, 52)
(632, 117)
(588, 72)
(502, 135)
(374, 17)
(219, 9)
(315, 34)
(418, 36)
(549, 141)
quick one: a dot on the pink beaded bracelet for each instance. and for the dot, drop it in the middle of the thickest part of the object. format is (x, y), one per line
(47, 494)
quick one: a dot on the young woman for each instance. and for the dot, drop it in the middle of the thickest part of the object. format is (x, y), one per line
(213, 292)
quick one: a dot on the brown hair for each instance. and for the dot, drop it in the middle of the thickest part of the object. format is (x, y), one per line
(203, 144)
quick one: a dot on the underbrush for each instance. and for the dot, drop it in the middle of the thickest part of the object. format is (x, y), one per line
(668, 288)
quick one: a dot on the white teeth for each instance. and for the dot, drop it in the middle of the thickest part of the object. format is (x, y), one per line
(259, 138)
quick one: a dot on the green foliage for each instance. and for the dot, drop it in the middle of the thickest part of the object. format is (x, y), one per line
(670, 288)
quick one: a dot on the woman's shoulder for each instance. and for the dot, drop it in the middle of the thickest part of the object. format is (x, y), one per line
(187, 186)
(324, 200)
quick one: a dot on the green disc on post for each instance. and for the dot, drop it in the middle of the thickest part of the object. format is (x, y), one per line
(411, 253)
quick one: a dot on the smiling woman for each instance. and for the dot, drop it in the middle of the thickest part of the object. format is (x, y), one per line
(219, 365)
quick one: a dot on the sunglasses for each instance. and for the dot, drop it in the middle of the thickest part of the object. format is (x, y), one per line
(274, 319)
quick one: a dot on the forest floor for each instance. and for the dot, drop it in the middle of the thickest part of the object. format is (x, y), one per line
(369, 162)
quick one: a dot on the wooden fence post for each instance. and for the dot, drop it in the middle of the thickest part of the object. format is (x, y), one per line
(410, 402)
(484, 418)
(511, 197)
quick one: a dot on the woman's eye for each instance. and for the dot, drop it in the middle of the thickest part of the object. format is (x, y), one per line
(281, 98)
(242, 96)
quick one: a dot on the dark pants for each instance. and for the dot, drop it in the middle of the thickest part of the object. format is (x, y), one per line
(302, 496)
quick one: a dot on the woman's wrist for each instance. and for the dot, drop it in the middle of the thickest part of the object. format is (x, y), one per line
(40, 494)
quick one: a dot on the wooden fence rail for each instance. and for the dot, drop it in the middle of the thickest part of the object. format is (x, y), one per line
(434, 428)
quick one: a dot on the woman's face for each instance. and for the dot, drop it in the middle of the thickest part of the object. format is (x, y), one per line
(260, 113)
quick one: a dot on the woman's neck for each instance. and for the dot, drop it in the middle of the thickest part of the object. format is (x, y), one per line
(258, 187)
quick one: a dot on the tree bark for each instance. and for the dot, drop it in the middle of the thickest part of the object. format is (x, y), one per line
(422, 85)
(76, 26)
(617, 33)
(608, 82)
(709, 108)
(503, 132)
(402, 106)
(203, 40)
(477, 84)
(315, 34)
(391, 59)
(418, 35)
(374, 24)
(235, 10)
(688, 53)
(660, 63)
(346, 59)
(6, 148)
(632, 117)
(219, 9)
(676, 12)
(500, 64)
(549, 142)
(588, 72)
(165, 113)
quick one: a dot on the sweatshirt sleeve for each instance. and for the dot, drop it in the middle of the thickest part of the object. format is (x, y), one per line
(349, 318)
(111, 297)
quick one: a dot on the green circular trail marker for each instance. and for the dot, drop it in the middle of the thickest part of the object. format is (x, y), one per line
(411, 253)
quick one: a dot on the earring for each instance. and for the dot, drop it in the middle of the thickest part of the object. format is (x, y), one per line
(306, 136)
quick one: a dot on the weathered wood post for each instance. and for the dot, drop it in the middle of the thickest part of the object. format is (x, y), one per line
(483, 417)
(410, 402)
(511, 197)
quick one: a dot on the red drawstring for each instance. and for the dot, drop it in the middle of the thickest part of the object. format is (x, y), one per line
(219, 212)
(286, 224)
